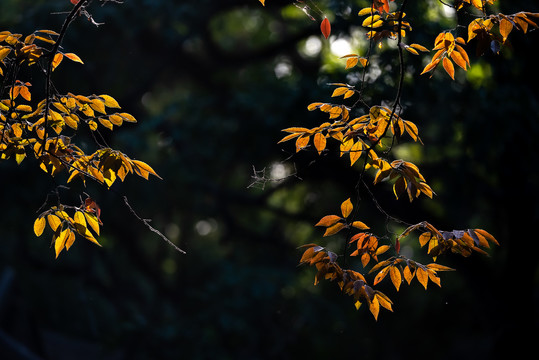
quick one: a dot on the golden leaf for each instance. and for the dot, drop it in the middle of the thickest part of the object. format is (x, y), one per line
(408, 274)
(374, 307)
(328, 220)
(110, 101)
(263, 2)
(144, 169)
(360, 225)
(448, 66)
(355, 152)
(70, 239)
(351, 62)
(128, 117)
(395, 275)
(419, 47)
(458, 59)
(381, 275)
(73, 57)
(60, 241)
(57, 60)
(505, 28)
(319, 141)
(91, 219)
(422, 277)
(98, 105)
(39, 226)
(80, 222)
(346, 208)
(302, 142)
(339, 91)
(332, 230)
(54, 221)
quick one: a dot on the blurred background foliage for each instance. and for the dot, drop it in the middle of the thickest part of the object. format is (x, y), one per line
(212, 83)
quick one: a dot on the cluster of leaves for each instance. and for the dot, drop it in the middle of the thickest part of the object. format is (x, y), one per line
(371, 134)
(369, 247)
(46, 130)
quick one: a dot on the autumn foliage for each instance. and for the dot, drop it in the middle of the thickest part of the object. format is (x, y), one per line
(43, 124)
(366, 133)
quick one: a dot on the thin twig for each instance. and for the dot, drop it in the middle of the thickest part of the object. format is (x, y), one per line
(151, 228)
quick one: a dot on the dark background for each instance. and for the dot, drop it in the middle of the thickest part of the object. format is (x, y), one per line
(200, 78)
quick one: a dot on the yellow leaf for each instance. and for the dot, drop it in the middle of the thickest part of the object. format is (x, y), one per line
(419, 47)
(408, 274)
(263, 2)
(144, 169)
(449, 68)
(88, 235)
(505, 28)
(128, 117)
(360, 225)
(365, 11)
(106, 123)
(91, 219)
(70, 239)
(60, 241)
(110, 101)
(355, 152)
(374, 307)
(39, 226)
(73, 57)
(80, 222)
(396, 278)
(302, 142)
(54, 221)
(351, 62)
(333, 229)
(411, 50)
(98, 105)
(348, 94)
(422, 277)
(339, 91)
(92, 125)
(346, 208)
(382, 249)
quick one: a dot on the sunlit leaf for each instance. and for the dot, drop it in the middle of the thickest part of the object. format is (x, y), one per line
(422, 276)
(449, 68)
(60, 241)
(333, 229)
(73, 57)
(328, 220)
(54, 221)
(143, 169)
(39, 226)
(346, 208)
(319, 141)
(58, 57)
(395, 275)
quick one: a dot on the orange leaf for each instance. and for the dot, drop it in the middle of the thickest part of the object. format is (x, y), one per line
(57, 60)
(449, 68)
(319, 141)
(505, 28)
(328, 220)
(332, 230)
(325, 27)
(73, 57)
